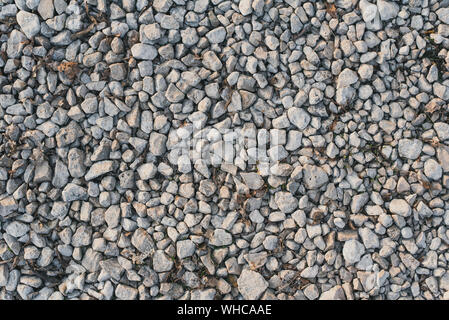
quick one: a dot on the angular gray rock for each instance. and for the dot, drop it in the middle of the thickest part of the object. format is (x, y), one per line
(410, 148)
(98, 169)
(253, 180)
(251, 284)
(29, 23)
(299, 117)
(400, 207)
(353, 250)
(314, 177)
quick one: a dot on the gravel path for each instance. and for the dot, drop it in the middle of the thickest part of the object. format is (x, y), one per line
(218, 149)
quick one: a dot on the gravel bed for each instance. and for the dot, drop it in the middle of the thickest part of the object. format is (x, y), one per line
(224, 149)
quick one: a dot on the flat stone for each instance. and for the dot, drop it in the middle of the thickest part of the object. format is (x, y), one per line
(143, 51)
(253, 180)
(443, 15)
(17, 229)
(442, 130)
(353, 251)
(285, 201)
(314, 177)
(46, 9)
(216, 35)
(410, 148)
(432, 169)
(185, 248)
(7, 206)
(99, 168)
(157, 143)
(73, 192)
(387, 9)
(400, 207)
(29, 23)
(161, 263)
(220, 238)
(369, 238)
(124, 292)
(335, 293)
(251, 284)
(299, 117)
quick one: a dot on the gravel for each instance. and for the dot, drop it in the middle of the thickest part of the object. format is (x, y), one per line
(291, 150)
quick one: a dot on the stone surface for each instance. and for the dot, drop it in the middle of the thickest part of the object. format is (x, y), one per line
(353, 251)
(29, 23)
(251, 284)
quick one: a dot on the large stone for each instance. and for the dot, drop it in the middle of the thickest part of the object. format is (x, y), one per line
(245, 7)
(432, 169)
(285, 201)
(157, 143)
(220, 238)
(46, 9)
(161, 263)
(443, 15)
(410, 148)
(443, 157)
(369, 238)
(387, 9)
(143, 51)
(346, 78)
(29, 23)
(299, 117)
(216, 35)
(142, 241)
(211, 61)
(124, 292)
(442, 130)
(185, 248)
(344, 95)
(17, 229)
(400, 207)
(98, 169)
(368, 10)
(253, 180)
(7, 206)
(73, 192)
(251, 284)
(334, 293)
(358, 201)
(353, 250)
(314, 176)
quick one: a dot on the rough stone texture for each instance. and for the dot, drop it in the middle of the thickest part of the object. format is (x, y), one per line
(251, 284)
(353, 251)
